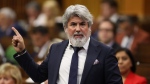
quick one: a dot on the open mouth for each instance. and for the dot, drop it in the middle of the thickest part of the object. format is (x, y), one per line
(78, 35)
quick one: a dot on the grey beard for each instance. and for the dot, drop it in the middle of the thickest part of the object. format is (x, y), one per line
(79, 42)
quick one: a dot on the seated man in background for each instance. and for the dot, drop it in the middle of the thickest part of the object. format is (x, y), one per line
(107, 33)
(7, 20)
(109, 10)
(33, 11)
(132, 35)
(10, 74)
(41, 41)
(127, 67)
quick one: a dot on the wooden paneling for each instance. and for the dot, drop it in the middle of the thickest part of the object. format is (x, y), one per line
(93, 6)
(143, 57)
(132, 7)
(143, 53)
(147, 8)
(128, 7)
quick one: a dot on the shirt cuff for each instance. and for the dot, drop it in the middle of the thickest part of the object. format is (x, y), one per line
(21, 53)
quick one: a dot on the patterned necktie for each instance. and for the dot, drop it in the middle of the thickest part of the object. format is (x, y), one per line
(74, 66)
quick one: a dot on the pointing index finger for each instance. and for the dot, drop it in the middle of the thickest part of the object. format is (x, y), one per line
(16, 32)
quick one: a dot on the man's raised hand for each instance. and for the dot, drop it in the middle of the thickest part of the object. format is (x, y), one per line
(18, 41)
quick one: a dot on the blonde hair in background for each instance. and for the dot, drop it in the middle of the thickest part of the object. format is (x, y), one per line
(53, 6)
(8, 69)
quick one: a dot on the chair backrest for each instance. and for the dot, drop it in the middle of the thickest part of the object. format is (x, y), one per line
(143, 54)
(5, 42)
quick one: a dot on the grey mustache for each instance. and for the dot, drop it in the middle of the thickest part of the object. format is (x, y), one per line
(78, 33)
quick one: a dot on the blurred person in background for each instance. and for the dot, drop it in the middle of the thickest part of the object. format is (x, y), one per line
(8, 20)
(49, 16)
(41, 41)
(127, 67)
(131, 35)
(33, 11)
(51, 11)
(109, 11)
(2, 55)
(8, 55)
(107, 33)
(10, 74)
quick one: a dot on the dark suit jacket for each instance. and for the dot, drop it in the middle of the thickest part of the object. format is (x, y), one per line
(115, 46)
(106, 72)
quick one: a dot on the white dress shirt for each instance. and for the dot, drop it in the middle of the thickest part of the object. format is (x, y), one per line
(44, 50)
(40, 21)
(64, 69)
(114, 18)
(127, 42)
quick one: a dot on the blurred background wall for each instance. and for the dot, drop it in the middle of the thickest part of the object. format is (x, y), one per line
(129, 7)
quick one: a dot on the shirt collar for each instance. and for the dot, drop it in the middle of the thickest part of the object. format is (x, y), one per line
(110, 44)
(44, 49)
(114, 17)
(85, 46)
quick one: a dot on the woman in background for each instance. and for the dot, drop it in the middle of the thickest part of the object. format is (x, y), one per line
(127, 67)
(10, 74)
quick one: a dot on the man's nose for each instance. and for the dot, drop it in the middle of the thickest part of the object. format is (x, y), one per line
(78, 28)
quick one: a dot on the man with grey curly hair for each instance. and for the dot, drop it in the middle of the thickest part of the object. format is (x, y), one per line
(79, 60)
(77, 10)
(82, 13)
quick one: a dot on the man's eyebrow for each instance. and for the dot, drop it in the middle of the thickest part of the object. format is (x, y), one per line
(73, 22)
(78, 22)
(83, 22)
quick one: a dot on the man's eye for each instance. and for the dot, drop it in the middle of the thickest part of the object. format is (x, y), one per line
(73, 24)
(82, 24)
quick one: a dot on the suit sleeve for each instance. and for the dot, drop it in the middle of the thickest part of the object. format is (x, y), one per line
(38, 73)
(112, 73)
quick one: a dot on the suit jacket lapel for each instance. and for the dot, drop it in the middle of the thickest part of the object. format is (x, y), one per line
(93, 52)
(58, 57)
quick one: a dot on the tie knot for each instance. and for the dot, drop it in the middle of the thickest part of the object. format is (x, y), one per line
(76, 49)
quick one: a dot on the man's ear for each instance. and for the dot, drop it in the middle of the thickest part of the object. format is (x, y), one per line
(90, 29)
(65, 29)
